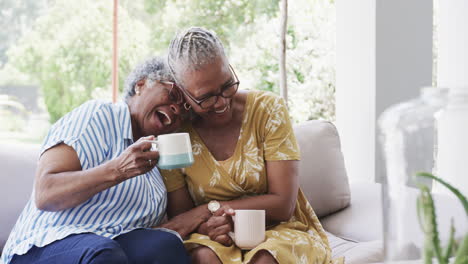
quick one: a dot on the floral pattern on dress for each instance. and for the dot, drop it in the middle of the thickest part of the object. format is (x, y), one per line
(266, 135)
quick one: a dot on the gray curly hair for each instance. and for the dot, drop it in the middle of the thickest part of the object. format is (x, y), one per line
(193, 48)
(152, 69)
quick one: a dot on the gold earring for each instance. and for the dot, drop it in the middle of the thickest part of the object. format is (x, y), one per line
(187, 106)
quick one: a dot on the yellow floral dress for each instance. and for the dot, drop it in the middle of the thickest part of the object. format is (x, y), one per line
(266, 135)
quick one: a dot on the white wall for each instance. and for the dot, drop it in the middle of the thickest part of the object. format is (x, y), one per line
(355, 84)
(452, 67)
(384, 55)
(452, 72)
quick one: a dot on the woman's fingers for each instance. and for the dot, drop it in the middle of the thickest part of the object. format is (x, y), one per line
(220, 224)
(221, 230)
(224, 240)
(144, 165)
(216, 221)
(146, 138)
(224, 210)
(142, 145)
(137, 159)
(134, 164)
(149, 155)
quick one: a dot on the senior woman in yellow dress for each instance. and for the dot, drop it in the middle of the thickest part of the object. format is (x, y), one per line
(246, 157)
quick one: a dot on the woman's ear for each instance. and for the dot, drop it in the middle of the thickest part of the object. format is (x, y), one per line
(139, 86)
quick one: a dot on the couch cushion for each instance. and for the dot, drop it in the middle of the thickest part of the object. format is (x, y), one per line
(356, 252)
(322, 174)
(17, 165)
(362, 220)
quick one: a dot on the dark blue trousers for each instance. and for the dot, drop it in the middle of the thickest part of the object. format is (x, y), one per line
(138, 246)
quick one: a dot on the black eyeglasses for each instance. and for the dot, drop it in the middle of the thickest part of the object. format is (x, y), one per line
(174, 94)
(226, 92)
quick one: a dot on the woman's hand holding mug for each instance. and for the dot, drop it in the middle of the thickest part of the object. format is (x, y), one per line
(136, 159)
(220, 225)
(245, 228)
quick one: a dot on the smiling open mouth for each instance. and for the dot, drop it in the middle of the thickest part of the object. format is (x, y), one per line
(223, 110)
(164, 117)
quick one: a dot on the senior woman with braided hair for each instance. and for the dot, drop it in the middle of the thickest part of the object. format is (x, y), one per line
(97, 192)
(246, 157)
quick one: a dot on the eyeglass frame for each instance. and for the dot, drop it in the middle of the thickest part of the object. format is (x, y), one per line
(199, 102)
(170, 91)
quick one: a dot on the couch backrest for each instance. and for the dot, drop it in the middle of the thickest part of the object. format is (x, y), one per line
(322, 173)
(17, 168)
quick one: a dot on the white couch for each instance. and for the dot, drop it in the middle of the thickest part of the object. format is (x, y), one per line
(353, 222)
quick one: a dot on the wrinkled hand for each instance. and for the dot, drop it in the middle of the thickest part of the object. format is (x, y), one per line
(135, 160)
(184, 224)
(219, 225)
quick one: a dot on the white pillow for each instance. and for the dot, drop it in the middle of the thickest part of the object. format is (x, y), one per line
(322, 173)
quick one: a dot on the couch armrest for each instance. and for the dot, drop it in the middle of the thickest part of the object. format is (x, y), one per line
(18, 165)
(362, 220)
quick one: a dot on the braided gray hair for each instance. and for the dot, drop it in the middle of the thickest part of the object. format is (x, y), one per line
(193, 48)
(152, 69)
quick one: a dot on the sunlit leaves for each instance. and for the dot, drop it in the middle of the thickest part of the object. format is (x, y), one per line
(68, 51)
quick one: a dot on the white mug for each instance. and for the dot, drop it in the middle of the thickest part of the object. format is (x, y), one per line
(249, 228)
(175, 150)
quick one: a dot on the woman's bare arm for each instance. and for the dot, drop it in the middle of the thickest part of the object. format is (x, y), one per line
(183, 216)
(280, 200)
(62, 184)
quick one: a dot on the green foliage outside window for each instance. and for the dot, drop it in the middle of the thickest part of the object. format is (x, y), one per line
(69, 52)
(68, 49)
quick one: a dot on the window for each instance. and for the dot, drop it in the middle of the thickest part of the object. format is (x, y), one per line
(57, 54)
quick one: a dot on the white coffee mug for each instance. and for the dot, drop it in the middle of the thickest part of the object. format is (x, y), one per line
(249, 228)
(175, 150)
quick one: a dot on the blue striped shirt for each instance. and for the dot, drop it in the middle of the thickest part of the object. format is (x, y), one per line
(98, 131)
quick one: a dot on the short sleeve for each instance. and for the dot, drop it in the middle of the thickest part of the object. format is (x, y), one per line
(173, 179)
(82, 130)
(280, 142)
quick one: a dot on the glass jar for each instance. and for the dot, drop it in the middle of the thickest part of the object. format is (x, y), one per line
(406, 133)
